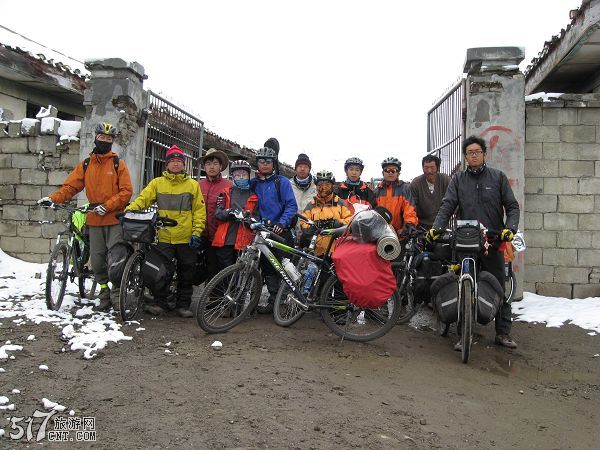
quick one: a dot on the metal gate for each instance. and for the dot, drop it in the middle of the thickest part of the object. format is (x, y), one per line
(169, 125)
(446, 128)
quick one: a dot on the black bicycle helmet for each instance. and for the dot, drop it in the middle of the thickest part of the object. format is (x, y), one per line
(391, 161)
(354, 161)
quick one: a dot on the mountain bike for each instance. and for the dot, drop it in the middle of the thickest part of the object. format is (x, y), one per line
(286, 308)
(132, 290)
(235, 291)
(70, 258)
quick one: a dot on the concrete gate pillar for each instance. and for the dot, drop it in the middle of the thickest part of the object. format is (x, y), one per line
(115, 94)
(495, 100)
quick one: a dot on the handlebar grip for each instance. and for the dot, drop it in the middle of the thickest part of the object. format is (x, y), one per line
(301, 217)
(277, 238)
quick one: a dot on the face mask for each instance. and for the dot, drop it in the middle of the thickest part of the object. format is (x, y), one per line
(242, 183)
(102, 147)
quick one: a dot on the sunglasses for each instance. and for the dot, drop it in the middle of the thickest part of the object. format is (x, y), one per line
(391, 170)
(264, 161)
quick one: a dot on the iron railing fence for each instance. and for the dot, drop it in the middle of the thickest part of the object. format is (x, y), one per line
(169, 125)
(446, 128)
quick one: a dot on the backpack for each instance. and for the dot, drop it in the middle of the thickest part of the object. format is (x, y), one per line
(157, 270)
(367, 279)
(444, 292)
(489, 297)
(117, 258)
(86, 163)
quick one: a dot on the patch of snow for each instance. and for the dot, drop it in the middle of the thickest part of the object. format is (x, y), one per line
(45, 112)
(168, 344)
(69, 128)
(43, 367)
(3, 400)
(140, 329)
(543, 97)
(72, 413)
(23, 297)
(217, 345)
(2, 370)
(556, 311)
(15, 391)
(10, 407)
(31, 337)
(48, 125)
(28, 124)
(9, 348)
(49, 404)
(167, 350)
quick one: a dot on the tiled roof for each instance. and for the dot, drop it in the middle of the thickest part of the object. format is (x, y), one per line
(14, 41)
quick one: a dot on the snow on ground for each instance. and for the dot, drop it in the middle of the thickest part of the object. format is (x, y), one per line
(556, 311)
(22, 300)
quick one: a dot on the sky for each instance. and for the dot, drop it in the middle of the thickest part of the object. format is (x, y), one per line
(328, 78)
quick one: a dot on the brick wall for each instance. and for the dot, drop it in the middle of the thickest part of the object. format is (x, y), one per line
(31, 167)
(562, 196)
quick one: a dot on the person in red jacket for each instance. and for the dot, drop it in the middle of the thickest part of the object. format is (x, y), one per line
(396, 196)
(231, 235)
(213, 163)
(109, 190)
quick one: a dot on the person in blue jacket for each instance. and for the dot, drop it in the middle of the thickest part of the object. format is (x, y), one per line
(277, 207)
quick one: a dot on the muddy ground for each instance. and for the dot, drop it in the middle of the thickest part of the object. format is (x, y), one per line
(271, 387)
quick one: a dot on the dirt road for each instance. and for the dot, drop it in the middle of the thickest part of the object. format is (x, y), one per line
(271, 387)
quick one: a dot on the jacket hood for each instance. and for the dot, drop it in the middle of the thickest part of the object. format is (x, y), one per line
(176, 177)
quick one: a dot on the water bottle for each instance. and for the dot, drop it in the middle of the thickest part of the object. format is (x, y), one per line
(426, 266)
(309, 277)
(290, 269)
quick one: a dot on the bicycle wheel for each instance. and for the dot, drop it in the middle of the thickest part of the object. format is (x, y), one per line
(466, 318)
(87, 283)
(286, 311)
(228, 298)
(131, 292)
(408, 307)
(352, 322)
(56, 276)
(510, 283)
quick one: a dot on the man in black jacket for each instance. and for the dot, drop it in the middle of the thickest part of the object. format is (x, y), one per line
(483, 193)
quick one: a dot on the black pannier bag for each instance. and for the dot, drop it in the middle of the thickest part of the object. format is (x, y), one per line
(427, 269)
(444, 292)
(157, 270)
(139, 226)
(468, 239)
(118, 255)
(489, 297)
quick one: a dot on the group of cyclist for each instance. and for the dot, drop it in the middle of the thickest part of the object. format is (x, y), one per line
(205, 209)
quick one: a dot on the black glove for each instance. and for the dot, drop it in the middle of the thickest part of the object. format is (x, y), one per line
(278, 228)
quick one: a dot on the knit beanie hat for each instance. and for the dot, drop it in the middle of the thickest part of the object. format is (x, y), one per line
(303, 159)
(174, 152)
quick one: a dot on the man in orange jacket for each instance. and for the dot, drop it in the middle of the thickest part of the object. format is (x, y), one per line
(396, 195)
(107, 185)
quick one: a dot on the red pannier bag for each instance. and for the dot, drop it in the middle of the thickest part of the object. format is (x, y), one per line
(367, 279)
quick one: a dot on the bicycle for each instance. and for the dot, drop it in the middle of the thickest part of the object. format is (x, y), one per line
(69, 258)
(286, 310)
(132, 290)
(468, 240)
(406, 274)
(235, 291)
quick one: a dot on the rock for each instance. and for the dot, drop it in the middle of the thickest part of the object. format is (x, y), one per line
(423, 421)
(317, 428)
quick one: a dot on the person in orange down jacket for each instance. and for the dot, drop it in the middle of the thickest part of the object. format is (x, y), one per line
(325, 208)
(107, 185)
(396, 195)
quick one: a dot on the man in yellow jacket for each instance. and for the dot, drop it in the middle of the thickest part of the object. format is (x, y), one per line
(178, 197)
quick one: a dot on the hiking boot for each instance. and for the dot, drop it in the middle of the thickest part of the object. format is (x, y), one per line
(104, 304)
(155, 310)
(184, 312)
(458, 346)
(505, 340)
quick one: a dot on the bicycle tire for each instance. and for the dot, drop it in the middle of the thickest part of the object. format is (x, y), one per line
(213, 307)
(338, 323)
(87, 290)
(466, 318)
(130, 305)
(286, 311)
(510, 285)
(408, 307)
(54, 300)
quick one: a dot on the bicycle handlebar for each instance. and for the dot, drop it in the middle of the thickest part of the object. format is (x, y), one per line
(71, 209)
(162, 221)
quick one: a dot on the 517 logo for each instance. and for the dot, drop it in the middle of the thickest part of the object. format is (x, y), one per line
(65, 429)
